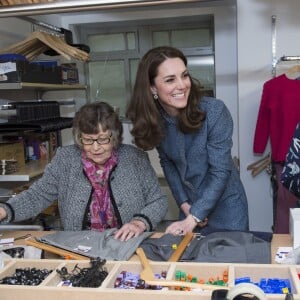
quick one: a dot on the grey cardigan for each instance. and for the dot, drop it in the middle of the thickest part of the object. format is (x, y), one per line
(134, 187)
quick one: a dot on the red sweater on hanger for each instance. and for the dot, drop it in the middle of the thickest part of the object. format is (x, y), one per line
(278, 116)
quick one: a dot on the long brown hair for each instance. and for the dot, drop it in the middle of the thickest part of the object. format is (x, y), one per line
(143, 110)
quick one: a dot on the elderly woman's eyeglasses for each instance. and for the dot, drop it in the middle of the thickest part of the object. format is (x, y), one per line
(100, 141)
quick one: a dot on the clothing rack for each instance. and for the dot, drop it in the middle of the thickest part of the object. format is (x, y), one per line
(290, 69)
(264, 163)
(283, 58)
(289, 58)
(67, 34)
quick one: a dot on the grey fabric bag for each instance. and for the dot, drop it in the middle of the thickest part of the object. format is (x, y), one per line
(103, 244)
(227, 247)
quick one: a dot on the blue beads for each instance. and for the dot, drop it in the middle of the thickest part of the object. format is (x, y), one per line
(242, 280)
(269, 285)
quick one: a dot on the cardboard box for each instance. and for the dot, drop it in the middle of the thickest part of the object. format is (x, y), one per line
(43, 145)
(13, 151)
(295, 226)
(69, 73)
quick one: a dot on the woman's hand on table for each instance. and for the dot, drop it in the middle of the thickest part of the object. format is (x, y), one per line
(181, 227)
(184, 226)
(130, 230)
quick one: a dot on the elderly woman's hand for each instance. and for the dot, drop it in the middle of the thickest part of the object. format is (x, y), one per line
(130, 230)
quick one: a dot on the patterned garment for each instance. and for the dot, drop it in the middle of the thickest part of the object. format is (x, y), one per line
(290, 176)
(101, 214)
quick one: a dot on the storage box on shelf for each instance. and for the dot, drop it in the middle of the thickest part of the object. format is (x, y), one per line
(51, 286)
(32, 152)
(42, 145)
(69, 73)
(17, 84)
(23, 71)
(13, 150)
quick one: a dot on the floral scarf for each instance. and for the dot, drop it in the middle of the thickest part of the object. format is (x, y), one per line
(101, 214)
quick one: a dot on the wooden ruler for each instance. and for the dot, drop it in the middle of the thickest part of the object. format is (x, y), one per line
(181, 247)
(64, 253)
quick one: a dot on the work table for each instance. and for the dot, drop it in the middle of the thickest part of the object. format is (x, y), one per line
(51, 287)
(278, 240)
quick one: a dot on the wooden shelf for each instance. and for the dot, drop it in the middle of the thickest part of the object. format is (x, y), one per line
(41, 86)
(32, 169)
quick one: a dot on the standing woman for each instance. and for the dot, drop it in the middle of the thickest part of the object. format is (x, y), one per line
(193, 137)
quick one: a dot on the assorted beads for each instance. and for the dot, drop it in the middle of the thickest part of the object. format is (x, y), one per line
(26, 276)
(129, 280)
(92, 276)
(183, 276)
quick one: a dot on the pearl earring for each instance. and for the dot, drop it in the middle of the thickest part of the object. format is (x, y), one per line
(155, 96)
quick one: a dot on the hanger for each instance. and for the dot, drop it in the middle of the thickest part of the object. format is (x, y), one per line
(38, 42)
(260, 165)
(293, 72)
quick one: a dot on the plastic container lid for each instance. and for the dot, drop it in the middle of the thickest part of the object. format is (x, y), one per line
(12, 57)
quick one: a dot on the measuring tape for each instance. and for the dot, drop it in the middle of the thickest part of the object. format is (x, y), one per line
(246, 288)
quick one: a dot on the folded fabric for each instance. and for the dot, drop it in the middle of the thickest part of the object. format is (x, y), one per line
(227, 247)
(95, 244)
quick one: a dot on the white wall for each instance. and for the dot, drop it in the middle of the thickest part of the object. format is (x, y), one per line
(13, 30)
(255, 68)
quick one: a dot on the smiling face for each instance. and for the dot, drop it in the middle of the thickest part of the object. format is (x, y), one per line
(172, 85)
(98, 153)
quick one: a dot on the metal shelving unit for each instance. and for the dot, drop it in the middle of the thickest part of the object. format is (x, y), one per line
(40, 86)
(33, 169)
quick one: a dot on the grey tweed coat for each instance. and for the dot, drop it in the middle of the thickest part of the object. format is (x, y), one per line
(134, 187)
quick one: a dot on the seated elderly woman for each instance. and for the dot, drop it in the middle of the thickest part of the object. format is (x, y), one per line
(99, 182)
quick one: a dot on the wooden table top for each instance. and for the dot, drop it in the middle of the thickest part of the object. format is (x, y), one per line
(278, 240)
